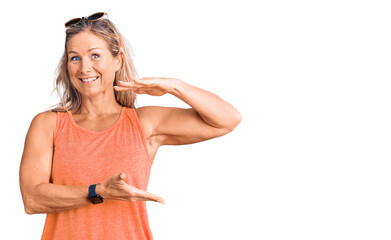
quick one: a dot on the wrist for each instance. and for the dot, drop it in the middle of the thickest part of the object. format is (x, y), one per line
(100, 190)
(177, 85)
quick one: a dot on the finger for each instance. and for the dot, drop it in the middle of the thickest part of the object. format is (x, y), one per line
(132, 89)
(145, 81)
(146, 196)
(129, 84)
(143, 199)
(151, 78)
(121, 176)
(120, 88)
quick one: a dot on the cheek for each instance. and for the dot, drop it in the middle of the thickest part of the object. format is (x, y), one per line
(100, 66)
(105, 69)
(72, 69)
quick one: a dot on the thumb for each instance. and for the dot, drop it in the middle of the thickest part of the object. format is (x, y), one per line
(121, 176)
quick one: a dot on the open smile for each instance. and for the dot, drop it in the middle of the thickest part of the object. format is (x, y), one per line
(88, 80)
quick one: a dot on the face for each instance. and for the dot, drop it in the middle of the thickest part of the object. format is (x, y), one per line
(91, 65)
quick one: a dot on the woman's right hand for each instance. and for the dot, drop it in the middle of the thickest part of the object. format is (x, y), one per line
(116, 188)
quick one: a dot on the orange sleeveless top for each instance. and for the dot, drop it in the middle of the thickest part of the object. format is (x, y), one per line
(83, 157)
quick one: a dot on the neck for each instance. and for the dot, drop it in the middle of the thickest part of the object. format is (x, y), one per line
(98, 105)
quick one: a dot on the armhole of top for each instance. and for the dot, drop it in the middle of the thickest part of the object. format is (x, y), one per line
(57, 128)
(140, 130)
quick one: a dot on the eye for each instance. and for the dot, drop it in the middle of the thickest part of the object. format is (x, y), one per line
(75, 58)
(95, 56)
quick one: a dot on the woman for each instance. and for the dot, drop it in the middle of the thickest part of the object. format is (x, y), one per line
(96, 147)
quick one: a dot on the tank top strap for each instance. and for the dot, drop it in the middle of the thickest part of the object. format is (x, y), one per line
(135, 121)
(61, 119)
(133, 115)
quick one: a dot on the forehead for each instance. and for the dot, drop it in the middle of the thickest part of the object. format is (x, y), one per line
(86, 40)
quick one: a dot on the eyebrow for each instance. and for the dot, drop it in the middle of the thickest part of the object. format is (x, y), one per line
(88, 50)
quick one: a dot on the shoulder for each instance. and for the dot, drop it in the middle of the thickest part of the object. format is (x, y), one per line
(150, 117)
(152, 114)
(145, 116)
(46, 121)
(144, 112)
(47, 117)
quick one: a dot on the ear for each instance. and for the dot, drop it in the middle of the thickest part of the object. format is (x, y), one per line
(118, 61)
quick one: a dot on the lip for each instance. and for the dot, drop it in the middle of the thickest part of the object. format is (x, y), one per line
(89, 77)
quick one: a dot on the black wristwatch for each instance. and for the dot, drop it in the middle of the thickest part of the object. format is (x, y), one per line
(93, 196)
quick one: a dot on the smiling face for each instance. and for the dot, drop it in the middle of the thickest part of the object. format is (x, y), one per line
(91, 65)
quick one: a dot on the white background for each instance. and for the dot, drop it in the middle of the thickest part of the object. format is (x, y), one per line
(311, 157)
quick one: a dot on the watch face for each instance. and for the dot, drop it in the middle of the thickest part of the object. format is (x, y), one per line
(96, 200)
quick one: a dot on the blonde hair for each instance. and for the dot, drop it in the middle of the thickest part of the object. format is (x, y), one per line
(70, 98)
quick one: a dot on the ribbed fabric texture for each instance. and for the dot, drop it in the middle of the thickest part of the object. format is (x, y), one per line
(83, 157)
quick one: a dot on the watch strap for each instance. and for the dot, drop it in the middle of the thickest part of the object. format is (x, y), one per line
(93, 196)
(92, 191)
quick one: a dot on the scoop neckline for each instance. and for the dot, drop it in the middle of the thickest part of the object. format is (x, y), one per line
(93, 132)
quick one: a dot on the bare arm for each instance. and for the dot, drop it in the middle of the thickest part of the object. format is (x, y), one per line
(213, 110)
(41, 196)
(209, 115)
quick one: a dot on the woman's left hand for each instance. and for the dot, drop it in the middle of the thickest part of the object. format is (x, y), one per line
(154, 86)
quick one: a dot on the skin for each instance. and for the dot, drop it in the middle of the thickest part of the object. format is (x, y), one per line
(89, 56)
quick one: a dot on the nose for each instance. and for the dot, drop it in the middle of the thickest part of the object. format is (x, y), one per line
(85, 66)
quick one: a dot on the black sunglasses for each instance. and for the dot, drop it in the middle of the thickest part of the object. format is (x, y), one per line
(93, 17)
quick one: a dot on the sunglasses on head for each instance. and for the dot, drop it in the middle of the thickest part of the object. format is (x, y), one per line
(92, 17)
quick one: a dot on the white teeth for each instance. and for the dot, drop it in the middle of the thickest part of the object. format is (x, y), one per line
(88, 79)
